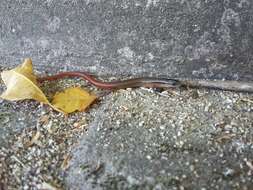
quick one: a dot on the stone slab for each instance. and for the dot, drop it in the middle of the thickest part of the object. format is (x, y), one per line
(140, 140)
(196, 39)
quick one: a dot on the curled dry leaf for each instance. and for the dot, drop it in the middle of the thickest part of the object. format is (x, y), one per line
(21, 84)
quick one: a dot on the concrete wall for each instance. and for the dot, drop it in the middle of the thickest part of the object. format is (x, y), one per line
(177, 38)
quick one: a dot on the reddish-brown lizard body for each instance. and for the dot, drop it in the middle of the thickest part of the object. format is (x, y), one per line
(153, 82)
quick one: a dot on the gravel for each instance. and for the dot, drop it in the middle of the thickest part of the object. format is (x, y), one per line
(36, 141)
(131, 139)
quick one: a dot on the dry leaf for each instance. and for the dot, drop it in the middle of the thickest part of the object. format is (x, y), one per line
(47, 186)
(73, 99)
(44, 119)
(21, 84)
(65, 163)
(34, 140)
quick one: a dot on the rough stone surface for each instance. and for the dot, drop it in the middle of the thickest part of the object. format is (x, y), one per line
(146, 141)
(138, 139)
(204, 39)
(13, 121)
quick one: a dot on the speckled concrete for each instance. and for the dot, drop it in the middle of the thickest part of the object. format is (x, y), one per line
(174, 38)
(141, 140)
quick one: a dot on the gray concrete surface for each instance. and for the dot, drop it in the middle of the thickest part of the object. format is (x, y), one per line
(142, 140)
(205, 39)
(176, 38)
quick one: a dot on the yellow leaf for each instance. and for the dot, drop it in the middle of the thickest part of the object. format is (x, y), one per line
(21, 84)
(73, 99)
